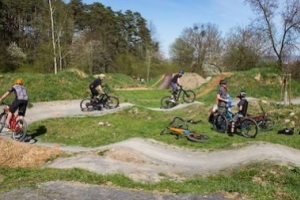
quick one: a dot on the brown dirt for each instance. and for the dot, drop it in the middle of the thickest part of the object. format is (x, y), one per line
(16, 154)
(213, 83)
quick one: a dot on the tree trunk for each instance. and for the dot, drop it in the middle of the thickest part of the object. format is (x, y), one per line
(53, 37)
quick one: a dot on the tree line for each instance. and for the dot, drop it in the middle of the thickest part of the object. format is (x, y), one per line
(48, 36)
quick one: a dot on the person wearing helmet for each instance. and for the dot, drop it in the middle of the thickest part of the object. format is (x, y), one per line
(20, 102)
(221, 99)
(175, 83)
(96, 87)
(242, 110)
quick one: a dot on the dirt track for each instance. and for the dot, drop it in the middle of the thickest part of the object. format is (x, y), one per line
(145, 159)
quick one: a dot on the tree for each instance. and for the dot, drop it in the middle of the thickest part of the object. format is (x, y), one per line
(197, 46)
(243, 49)
(282, 42)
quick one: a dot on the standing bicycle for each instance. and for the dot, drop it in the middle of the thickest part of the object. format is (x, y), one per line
(20, 102)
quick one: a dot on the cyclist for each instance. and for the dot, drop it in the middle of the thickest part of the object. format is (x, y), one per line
(242, 110)
(221, 99)
(175, 83)
(20, 102)
(96, 87)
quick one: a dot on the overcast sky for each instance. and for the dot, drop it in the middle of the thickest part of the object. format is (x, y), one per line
(171, 17)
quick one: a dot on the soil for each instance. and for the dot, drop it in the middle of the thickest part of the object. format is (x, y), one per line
(143, 160)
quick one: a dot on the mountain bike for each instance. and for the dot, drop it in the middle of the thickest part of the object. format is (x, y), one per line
(104, 101)
(17, 125)
(263, 121)
(188, 96)
(180, 128)
(246, 126)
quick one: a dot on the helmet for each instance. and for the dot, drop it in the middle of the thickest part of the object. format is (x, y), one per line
(181, 72)
(101, 76)
(19, 81)
(242, 94)
(222, 82)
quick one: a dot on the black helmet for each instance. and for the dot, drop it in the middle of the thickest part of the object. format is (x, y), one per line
(181, 72)
(242, 94)
(222, 82)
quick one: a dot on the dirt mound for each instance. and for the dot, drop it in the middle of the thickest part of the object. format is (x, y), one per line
(16, 154)
(213, 83)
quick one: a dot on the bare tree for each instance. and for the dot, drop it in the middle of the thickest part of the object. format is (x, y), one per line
(282, 41)
(53, 36)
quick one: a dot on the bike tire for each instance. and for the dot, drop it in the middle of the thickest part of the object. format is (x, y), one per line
(166, 102)
(111, 102)
(248, 127)
(3, 117)
(86, 105)
(197, 137)
(19, 134)
(220, 123)
(266, 124)
(189, 96)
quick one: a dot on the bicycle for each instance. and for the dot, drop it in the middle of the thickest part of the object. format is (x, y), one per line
(104, 101)
(263, 122)
(178, 127)
(188, 96)
(247, 126)
(17, 125)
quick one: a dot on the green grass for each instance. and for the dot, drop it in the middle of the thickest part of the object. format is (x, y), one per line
(276, 182)
(257, 181)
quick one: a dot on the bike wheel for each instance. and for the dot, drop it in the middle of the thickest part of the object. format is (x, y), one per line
(266, 124)
(220, 123)
(20, 130)
(248, 128)
(3, 117)
(189, 96)
(197, 137)
(166, 102)
(86, 105)
(111, 102)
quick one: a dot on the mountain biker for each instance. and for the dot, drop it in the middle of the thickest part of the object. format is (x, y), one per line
(175, 83)
(242, 110)
(96, 87)
(20, 102)
(221, 99)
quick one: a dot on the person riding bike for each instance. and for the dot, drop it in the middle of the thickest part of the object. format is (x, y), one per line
(175, 83)
(242, 110)
(222, 99)
(20, 102)
(96, 87)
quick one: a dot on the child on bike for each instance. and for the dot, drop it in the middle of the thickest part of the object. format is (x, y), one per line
(20, 102)
(175, 83)
(242, 110)
(222, 99)
(96, 87)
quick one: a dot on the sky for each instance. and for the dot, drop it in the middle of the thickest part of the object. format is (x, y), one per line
(171, 17)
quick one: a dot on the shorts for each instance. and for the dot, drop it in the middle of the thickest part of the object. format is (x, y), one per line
(21, 105)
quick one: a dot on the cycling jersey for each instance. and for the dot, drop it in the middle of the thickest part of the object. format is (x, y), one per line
(20, 92)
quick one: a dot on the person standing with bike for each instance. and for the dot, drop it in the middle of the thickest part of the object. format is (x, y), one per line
(96, 87)
(222, 99)
(20, 102)
(175, 83)
(242, 110)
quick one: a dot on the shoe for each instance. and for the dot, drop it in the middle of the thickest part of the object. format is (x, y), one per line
(172, 101)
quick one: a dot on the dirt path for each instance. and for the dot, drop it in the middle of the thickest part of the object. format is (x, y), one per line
(145, 159)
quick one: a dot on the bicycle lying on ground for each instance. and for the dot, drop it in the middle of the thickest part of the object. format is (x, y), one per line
(104, 101)
(17, 125)
(188, 96)
(247, 126)
(180, 128)
(264, 123)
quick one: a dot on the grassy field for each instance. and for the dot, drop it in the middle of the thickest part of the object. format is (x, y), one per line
(257, 180)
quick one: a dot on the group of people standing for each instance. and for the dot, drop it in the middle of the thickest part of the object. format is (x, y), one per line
(224, 101)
